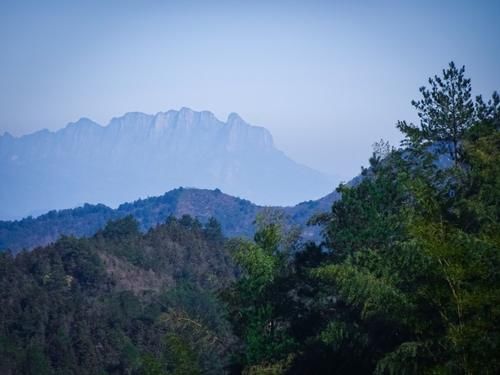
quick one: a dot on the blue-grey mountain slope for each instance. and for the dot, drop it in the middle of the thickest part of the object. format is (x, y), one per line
(236, 217)
(140, 155)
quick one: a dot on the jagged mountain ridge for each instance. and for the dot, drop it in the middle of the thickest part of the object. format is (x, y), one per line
(235, 215)
(140, 155)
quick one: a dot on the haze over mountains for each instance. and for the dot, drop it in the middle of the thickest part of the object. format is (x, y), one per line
(139, 155)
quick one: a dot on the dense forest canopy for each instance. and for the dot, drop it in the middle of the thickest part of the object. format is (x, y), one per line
(119, 302)
(405, 281)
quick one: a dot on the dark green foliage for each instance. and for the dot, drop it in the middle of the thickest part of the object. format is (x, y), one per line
(121, 230)
(446, 112)
(256, 299)
(412, 269)
(182, 359)
(367, 215)
(406, 281)
(99, 305)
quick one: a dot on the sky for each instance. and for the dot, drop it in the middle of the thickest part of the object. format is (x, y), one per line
(326, 78)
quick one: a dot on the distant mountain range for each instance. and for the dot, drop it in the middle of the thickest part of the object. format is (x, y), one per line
(235, 215)
(140, 155)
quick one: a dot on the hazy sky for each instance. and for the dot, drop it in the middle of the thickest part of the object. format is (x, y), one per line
(327, 78)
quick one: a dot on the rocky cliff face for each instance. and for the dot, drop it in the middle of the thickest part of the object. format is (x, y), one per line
(139, 155)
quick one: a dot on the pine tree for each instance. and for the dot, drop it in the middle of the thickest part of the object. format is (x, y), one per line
(446, 111)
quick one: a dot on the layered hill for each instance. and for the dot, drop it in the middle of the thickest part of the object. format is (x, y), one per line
(141, 155)
(235, 215)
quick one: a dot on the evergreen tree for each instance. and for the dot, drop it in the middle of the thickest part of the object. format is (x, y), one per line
(446, 111)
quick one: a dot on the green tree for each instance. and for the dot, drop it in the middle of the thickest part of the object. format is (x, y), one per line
(414, 277)
(446, 111)
(254, 301)
(182, 359)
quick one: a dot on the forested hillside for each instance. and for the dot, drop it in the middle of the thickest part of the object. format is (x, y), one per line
(235, 215)
(405, 281)
(119, 302)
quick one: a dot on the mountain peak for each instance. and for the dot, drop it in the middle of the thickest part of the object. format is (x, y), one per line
(186, 110)
(234, 118)
(131, 116)
(83, 122)
(7, 135)
(139, 154)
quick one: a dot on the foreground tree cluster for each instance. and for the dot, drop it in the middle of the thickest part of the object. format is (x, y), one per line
(406, 280)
